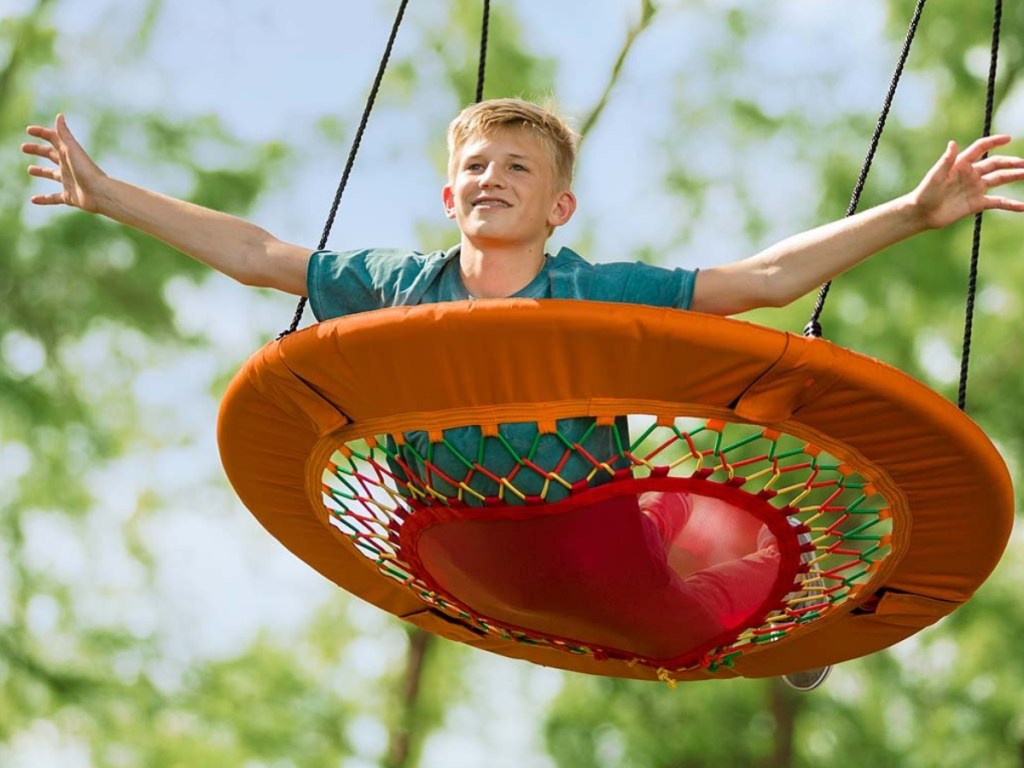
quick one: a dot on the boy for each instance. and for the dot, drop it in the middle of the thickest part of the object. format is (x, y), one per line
(509, 187)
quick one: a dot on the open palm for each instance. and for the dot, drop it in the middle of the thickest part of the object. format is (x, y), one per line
(958, 184)
(71, 167)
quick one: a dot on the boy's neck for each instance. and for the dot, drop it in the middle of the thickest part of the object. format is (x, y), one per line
(497, 271)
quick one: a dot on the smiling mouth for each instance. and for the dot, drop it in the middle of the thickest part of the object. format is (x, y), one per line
(491, 204)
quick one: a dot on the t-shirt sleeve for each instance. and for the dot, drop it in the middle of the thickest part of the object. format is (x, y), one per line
(359, 281)
(639, 283)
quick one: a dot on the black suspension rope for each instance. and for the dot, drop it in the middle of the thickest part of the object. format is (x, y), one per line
(484, 32)
(972, 282)
(352, 153)
(813, 327)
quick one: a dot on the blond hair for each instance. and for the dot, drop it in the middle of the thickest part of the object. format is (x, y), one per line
(488, 117)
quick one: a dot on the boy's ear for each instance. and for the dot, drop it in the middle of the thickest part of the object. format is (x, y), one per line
(448, 198)
(563, 209)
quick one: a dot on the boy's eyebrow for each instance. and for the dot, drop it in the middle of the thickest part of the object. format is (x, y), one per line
(513, 155)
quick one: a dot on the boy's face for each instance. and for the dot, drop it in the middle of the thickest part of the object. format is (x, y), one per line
(504, 190)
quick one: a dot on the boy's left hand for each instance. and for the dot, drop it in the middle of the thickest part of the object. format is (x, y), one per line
(958, 184)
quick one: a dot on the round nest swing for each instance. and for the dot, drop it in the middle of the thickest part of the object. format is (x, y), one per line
(728, 499)
(903, 503)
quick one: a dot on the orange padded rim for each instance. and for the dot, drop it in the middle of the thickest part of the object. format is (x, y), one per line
(497, 361)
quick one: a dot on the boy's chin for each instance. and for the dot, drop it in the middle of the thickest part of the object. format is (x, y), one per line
(488, 232)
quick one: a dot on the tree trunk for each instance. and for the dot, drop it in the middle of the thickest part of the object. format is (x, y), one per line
(784, 709)
(403, 733)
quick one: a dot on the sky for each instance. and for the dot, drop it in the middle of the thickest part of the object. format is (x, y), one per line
(270, 70)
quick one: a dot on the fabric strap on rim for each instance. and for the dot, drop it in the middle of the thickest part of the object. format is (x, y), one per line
(370, 101)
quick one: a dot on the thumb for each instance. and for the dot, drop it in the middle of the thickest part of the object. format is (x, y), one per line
(949, 157)
(951, 152)
(64, 131)
(70, 142)
(943, 165)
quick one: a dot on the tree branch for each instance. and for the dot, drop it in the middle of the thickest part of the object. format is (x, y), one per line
(68, 684)
(647, 13)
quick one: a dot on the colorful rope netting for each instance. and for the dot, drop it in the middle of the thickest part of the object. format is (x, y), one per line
(373, 485)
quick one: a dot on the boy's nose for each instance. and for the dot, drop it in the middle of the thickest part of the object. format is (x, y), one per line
(491, 176)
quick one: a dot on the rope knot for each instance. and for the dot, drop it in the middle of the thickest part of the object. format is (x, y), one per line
(812, 330)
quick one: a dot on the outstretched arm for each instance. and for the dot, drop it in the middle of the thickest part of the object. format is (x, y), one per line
(957, 185)
(230, 245)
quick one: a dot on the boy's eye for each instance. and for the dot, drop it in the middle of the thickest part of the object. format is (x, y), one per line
(518, 167)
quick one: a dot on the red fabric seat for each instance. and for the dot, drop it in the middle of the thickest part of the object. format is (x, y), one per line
(658, 574)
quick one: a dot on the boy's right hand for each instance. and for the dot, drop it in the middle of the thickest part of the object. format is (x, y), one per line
(75, 171)
(237, 248)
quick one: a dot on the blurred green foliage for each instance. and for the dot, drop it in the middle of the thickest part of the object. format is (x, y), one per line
(72, 278)
(950, 697)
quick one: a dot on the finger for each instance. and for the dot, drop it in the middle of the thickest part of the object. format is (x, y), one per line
(1004, 204)
(38, 149)
(985, 144)
(998, 163)
(44, 173)
(57, 198)
(998, 178)
(42, 132)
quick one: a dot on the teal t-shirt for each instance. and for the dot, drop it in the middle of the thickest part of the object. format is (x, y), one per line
(359, 281)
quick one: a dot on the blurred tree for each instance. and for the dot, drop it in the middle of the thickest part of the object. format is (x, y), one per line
(949, 697)
(77, 293)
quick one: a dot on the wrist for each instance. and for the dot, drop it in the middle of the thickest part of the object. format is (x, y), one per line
(912, 213)
(104, 195)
